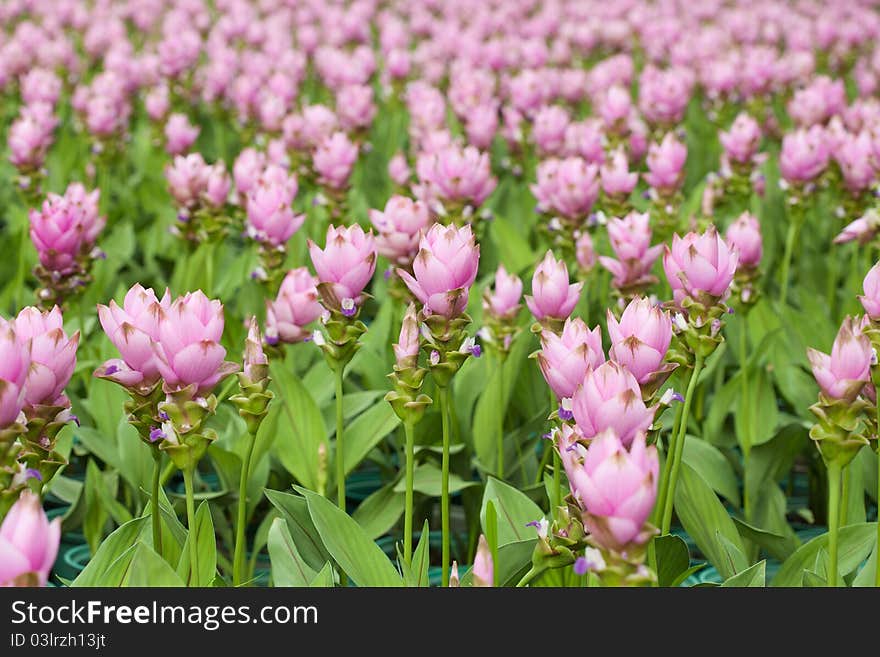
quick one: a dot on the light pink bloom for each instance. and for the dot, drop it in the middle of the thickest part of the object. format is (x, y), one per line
(744, 237)
(610, 398)
(180, 134)
(566, 358)
(844, 373)
(398, 169)
(52, 355)
(333, 160)
(14, 365)
(346, 263)
(65, 228)
(406, 349)
(504, 300)
(666, 164)
(355, 106)
(699, 264)
(295, 307)
(804, 155)
(585, 252)
(548, 129)
(616, 178)
(630, 239)
(741, 142)
(399, 228)
(640, 339)
(484, 570)
(458, 175)
(270, 217)
(552, 296)
(871, 286)
(28, 543)
(247, 169)
(444, 269)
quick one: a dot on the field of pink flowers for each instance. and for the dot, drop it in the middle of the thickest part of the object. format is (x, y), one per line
(439, 292)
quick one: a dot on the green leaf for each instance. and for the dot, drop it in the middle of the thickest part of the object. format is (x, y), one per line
(514, 248)
(428, 480)
(349, 546)
(416, 574)
(295, 511)
(109, 551)
(763, 412)
(288, 567)
(855, 543)
(298, 424)
(378, 513)
(514, 510)
(867, 574)
(776, 545)
(366, 432)
(713, 467)
(672, 558)
(96, 513)
(772, 460)
(753, 576)
(704, 517)
(737, 561)
(206, 542)
(325, 578)
(148, 569)
(105, 404)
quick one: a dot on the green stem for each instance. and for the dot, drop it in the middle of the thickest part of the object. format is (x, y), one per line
(408, 508)
(557, 480)
(528, 577)
(155, 512)
(790, 240)
(679, 446)
(667, 466)
(191, 525)
(444, 491)
(844, 496)
(545, 459)
(877, 564)
(340, 454)
(744, 412)
(500, 437)
(241, 521)
(833, 520)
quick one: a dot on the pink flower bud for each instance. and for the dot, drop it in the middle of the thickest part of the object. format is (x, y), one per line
(844, 373)
(585, 252)
(666, 164)
(398, 169)
(610, 398)
(295, 307)
(406, 351)
(863, 229)
(484, 570)
(585, 139)
(254, 356)
(180, 134)
(871, 286)
(640, 340)
(247, 170)
(399, 228)
(615, 487)
(40, 86)
(355, 106)
(617, 180)
(188, 352)
(52, 354)
(30, 137)
(481, 125)
(458, 175)
(28, 543)
(856, 161)
(157, 102)
(217, 186)
(14, 366)
(186, 178)
(444, 269)
(133, 329)
(744, 237)
(699, 264)
(664, 94)
(270, 217)
(504, 301)
(575, 187)
(615, 106)
(334, 160)
(630, 239)
(741, 142)
(548, 129)
(804, 155)
(65, 228)
(552, 297)
(566, 358)
(347, 262)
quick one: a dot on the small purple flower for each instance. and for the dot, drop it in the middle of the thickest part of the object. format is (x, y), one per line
(580, 566)
(565, 414)
(157, 434)
(31, 473)
(349, 308)
(163, 416)
(476, 351)
(111, 369)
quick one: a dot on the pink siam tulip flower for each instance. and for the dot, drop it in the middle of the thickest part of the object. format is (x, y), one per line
(699, 265)
(398, 169)
(65, 229)
(640, 339)
(615, 107)
(864, 229)
(630, 238)
(741, 142)
(52, 355)
(664, 95)
(503, 301)
(444, 270)
(399, 228)
(30, 136)
(295, 307)
(585, 252)
(666, 164)
(744, 237)
(617, 180)
(484, 570)
(180, 134)
(14, 366)
(157, 102)
(585, 139)
(481, 125)
(566, 358)
(804, 155)
(548, 129)
(255, 359)
(187, 176)
(133, 329)
(552, 298)
(844, 373)
(406, 349)
(355, 106)
(334, 160)
(270, 217)
(610, 398)
(856, 161)
(188, 352)
(615, 487)
(40, 86)
(459, 176)
(217, 186)
(28, 543)
(871, 299)
(345, 266)
(576, 188)
(247, 169)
